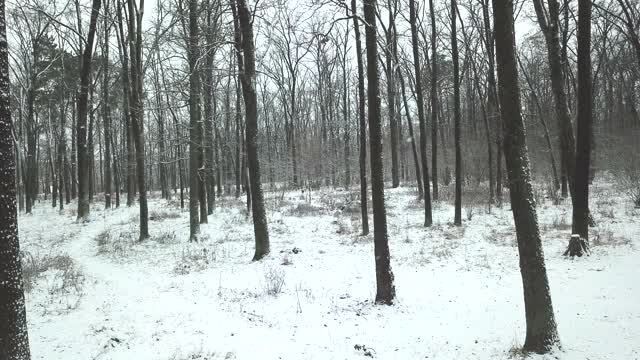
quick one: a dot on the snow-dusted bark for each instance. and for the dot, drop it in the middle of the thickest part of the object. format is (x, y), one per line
(14, 341)
(194, 116)
(81, 126)
(386, 291)
(247, 69)
(542, 332)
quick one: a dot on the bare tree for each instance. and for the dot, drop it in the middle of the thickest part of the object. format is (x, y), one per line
(247, 75)
(542, 332)
(386, 291)
(81, 126)
(14, 339)
(578, 245)
(428, 217)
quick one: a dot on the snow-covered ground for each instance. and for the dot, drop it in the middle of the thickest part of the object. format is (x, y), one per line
(105, 296)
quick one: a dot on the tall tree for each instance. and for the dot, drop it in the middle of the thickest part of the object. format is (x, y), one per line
(392, 9)
(428, 216)
(578, 245)
(386, 290)
(106, 116)
(81, 125)
(194, 122)
(456, 113)
(434, 104)
(548, 19)
(247, 76)
(362, 123)
(14, 339)
(137, 109)
(542, 332)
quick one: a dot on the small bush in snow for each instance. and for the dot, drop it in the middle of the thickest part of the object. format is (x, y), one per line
(560, 223)
(159, 215)
(305, 209)
(607, 213)
(629, 182)
(59, 277)
(606, 237)
(274, 280)
(470, 211)
(117, 244)
(194, 258)
(166, 237)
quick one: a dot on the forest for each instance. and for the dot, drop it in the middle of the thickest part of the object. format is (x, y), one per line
(319, 179)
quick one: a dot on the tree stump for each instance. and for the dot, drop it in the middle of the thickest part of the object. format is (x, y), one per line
(578, 246)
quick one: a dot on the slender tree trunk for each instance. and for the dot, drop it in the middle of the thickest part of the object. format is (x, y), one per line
(434, 106)
(585, 133)
(542, 332)
(456, 113)
(414, 150)
(14, 339)
(247, 76)
(106, 116)
(391, 96)
(547, 136)
(428, 217)
(194, 112)
(362, 124)
(137, 112)
(386, 291)
(549, 24)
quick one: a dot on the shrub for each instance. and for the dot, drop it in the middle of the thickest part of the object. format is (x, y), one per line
(65, 280)
(195, 257)
(115, 244)
(159, 215)
(274, 280)
(166, 237)
(305, 209)
(629, 182)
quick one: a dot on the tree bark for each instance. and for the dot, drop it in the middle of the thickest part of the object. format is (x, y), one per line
(14, 338)
(541, 334)
(434, 107)
(362, 124)
(106, 116)
(386, 291)
(247, 77)
(81, 126)
(585, 133)
(428, 216)
(456, 113)
(194, 119)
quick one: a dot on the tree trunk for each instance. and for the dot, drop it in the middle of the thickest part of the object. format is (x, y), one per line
(386, 291)
(81, 126)
(106, 116)
(434, 107)
(137, 112)
(362, 124)
(414, 150)
(194, 120)
(585, 133)
(542, 333)
(391, 97)
(14, 339)
(428, 217)
(456, 114)
(247, 77)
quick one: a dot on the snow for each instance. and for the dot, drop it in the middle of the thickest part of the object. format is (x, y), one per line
(459, 289)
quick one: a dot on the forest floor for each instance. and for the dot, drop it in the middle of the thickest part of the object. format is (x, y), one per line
(94, 292)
